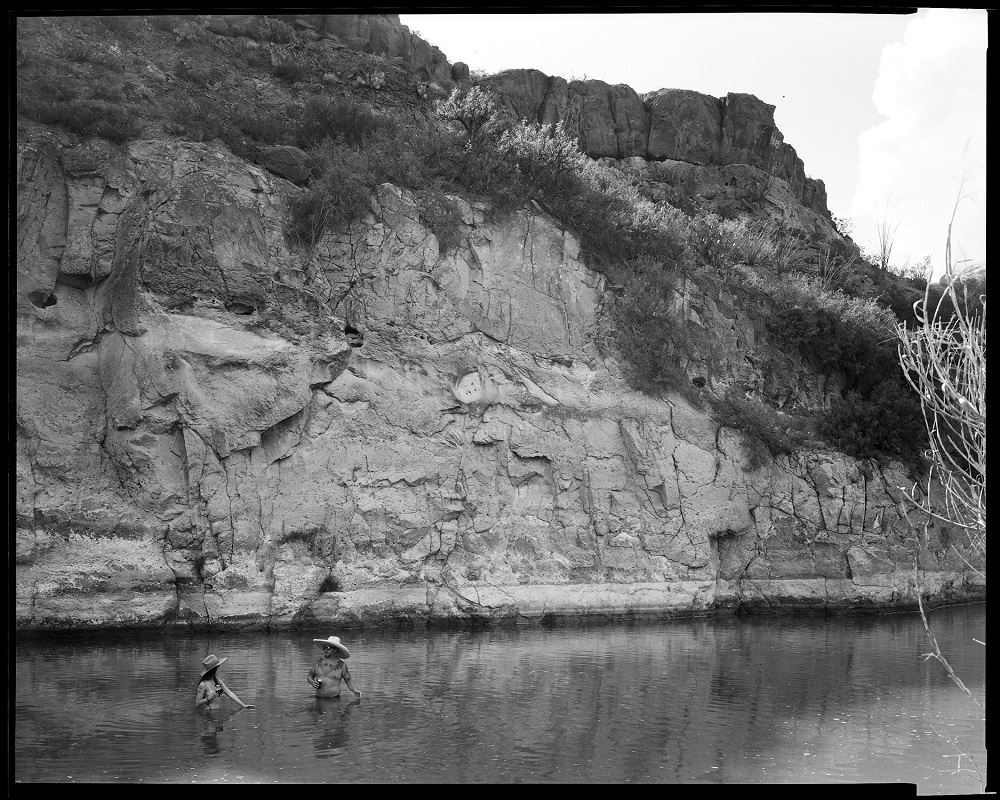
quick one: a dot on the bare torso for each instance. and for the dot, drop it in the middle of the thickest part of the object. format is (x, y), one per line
(209, 689)
(329, 673)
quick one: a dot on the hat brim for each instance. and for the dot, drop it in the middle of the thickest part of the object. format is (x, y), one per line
(216, 666)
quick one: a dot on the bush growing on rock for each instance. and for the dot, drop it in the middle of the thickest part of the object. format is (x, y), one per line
(478, 113)
(855, 338)
(645, 327)
(765, 434)
(198, 120)
(332, 118)
(264, 125)
(117, 122)
(886, 422)
(339, 195)
(291, 70)
(550, 160)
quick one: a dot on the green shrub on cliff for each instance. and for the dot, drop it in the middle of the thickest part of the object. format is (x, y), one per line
(117, 122)
(645, 328)
(291, 69)
(884, 422)
(324, 118)
(765, 434)
(828, 328)
(339, 195)
(879, 415)
(263, 124)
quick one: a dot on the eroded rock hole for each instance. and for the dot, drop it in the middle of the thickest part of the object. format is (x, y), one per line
(355, 338)
(77, 280)
(42, 299)
(699, 382)
(243, 309)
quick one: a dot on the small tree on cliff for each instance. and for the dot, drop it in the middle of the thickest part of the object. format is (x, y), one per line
(479, 114)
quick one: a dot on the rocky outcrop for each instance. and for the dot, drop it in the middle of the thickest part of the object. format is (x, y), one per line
(214, 427)
(377, 34)
(669, 124)
(383, 34)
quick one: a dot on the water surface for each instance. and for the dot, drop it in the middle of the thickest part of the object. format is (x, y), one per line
(725, 700)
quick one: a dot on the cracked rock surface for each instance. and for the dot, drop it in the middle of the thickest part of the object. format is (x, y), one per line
(214, 428)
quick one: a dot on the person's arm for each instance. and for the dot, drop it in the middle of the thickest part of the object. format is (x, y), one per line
(233, 697)
(311, 677)
(349, 682)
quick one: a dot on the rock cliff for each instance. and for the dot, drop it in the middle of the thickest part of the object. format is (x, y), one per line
(666, 125)
(216, 426)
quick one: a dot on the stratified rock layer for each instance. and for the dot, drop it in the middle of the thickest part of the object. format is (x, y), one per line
(214, 428)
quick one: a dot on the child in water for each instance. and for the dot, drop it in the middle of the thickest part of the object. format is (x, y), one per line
(212, 687)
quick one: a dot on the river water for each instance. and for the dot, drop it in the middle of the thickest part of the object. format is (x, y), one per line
(751, 700)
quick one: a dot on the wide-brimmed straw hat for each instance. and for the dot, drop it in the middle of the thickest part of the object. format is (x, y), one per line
(334, 641)
(210, 663)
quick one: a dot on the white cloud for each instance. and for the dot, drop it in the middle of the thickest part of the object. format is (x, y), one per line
(931, 91)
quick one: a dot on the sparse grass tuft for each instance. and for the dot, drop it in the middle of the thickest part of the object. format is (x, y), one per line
(291, 70)
(199, 118)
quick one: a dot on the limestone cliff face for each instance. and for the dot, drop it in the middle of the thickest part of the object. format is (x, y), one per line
(676, 125)
(215, 428)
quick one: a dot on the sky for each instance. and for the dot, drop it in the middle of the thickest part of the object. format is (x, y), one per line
(888, 110)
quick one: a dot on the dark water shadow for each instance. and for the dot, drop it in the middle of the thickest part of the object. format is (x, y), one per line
(331, 720)
(210, 722)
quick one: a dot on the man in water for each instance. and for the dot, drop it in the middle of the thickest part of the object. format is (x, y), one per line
(328, 671)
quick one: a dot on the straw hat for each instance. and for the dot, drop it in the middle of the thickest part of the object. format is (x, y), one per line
(210, 663)
(334, 641)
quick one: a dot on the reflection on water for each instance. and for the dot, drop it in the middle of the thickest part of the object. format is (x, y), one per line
(330, 721)
(751, 700)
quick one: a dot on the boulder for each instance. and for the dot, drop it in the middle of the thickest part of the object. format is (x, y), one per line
(285, 161)
(521, 91)
(218, 26)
